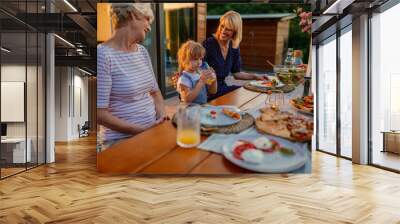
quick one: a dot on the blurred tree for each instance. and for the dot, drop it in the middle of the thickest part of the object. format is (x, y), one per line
(297, 39)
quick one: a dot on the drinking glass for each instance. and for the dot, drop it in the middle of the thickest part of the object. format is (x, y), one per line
(188, 122)
(205, 67)
(276, 99)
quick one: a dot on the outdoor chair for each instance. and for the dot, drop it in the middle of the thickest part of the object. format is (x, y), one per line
(84, 130)
(174, 81)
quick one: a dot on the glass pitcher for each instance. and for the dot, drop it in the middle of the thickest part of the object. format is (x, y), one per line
(188, 125)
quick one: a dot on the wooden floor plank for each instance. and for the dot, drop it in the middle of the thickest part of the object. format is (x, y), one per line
(72, 191)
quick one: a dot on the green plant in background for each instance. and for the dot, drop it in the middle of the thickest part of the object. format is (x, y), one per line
(297, 39)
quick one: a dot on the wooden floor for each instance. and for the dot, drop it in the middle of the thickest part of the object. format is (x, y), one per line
(387, 159)
(10, 171)
(71, 191)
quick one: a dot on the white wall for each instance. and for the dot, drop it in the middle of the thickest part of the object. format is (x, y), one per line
(12, 73)
(61, 103)
(70, 83)
(33, 127)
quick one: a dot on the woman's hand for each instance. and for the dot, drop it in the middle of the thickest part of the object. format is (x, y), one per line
(260, 77)
(161, 116)
(161, 120)
(248, 76)
(159, 106)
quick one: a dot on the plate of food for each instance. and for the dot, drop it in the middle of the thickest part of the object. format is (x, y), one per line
(265, 154)
(269, 84)
(220, 115)
(304, 104)
(285, 124)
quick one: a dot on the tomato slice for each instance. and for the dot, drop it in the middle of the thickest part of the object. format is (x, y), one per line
(238, 150)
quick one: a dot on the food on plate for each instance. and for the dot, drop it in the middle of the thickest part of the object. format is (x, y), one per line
(213, 114)
(253, 156)
(305, 103)
(300, 128)
(271, 83)
(268, 114)
(309, 99)
(284, 124)
(266, 144)
(274, 127)
(268, 83)
(254, 151)
(240, 147)
(287, 152)
(230, 113)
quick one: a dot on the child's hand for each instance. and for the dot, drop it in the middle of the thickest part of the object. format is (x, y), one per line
(208, 77)
(212, 78)
(204, 76)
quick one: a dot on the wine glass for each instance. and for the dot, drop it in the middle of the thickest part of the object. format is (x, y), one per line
(275, 99)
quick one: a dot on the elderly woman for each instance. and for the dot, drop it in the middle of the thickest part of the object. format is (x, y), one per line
(223, 53)
(128, 98)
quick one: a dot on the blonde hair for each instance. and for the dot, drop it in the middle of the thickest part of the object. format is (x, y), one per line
(121, 13)
(190, 50)
(232, 20)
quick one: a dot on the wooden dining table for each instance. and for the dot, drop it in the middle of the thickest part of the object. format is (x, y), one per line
(155, 151)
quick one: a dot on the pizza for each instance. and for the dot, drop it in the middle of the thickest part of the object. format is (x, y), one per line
(268, 114)
(305, 103)
(231, 113)
(284, 124)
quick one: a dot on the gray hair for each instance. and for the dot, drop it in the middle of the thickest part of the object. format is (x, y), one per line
(121, 12)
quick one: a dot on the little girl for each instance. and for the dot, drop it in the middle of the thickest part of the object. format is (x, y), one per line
(194, 85)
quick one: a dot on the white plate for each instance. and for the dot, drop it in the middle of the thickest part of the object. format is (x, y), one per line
(303, 111)
(259, 83)
(275, 162)
(221, 120)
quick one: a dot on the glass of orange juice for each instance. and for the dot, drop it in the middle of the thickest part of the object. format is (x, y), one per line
(205, 67)
(188, 122)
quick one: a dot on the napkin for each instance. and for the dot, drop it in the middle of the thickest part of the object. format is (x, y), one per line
(215, 142)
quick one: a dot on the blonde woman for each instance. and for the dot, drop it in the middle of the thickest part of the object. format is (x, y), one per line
(128, 98)
(223, 52)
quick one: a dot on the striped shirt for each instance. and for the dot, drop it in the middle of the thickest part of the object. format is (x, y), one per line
(124, 83)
